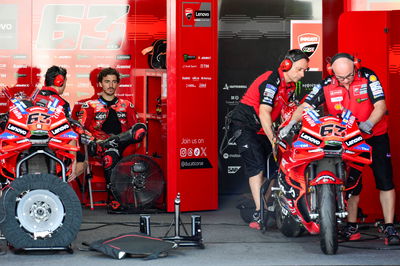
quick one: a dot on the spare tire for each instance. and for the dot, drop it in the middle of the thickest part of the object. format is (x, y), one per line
(41, 211)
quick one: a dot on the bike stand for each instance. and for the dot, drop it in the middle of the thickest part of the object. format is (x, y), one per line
(193, 240)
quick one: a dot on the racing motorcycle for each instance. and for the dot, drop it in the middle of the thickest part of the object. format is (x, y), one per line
(38, 209)
(313, 178)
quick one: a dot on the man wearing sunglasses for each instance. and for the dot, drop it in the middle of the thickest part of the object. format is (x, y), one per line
(358, 89)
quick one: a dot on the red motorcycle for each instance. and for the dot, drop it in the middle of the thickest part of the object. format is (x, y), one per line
(38, 209)
(313, 177)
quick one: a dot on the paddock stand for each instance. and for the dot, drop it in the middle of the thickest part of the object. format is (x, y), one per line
(266, 193)
(193, 240)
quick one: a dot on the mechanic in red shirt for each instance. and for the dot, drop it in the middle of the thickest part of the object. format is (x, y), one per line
(54, 86)
(258, 109)
(112, 121)
(359, 90)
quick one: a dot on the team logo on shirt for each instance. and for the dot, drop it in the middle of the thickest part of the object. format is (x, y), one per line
(373, 78)
(338, 106)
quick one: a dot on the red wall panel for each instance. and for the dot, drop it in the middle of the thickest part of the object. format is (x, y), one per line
(373, 36)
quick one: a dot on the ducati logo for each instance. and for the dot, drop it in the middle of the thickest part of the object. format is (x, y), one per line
(188, 13)
(308, 43)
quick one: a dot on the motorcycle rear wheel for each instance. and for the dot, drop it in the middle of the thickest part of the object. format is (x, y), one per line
(327, 218)
(41, 211)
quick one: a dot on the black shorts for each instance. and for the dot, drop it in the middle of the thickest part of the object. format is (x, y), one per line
(381, 166)
(80, 157)
(381, 162)
(255, 149)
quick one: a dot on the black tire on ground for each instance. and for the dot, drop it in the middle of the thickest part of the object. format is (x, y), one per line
(286, 223)
(327, 218)
(36, 203)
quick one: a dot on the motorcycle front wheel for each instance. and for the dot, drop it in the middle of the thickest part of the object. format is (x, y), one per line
(41, 211)
(327, 218)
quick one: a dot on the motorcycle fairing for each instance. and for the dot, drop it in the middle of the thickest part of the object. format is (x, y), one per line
(326, 177)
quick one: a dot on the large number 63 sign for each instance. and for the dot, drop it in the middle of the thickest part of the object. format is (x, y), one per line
(332, 130)
(94, 27)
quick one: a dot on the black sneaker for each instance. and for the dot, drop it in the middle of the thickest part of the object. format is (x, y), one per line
(256, 221)
(391, 235)
(350, 233)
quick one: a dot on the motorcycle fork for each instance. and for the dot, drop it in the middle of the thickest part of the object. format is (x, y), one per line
(341, 206)
(312, 191)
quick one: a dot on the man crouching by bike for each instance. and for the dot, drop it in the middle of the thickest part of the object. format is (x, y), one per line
(258, 109)
(350, 86)
(54, 86)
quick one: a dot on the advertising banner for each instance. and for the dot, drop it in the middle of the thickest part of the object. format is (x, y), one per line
(306, 35)
(192, 105)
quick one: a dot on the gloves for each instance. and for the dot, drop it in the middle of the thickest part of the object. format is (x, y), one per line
(86, 139)
(366, 126)
(111, 142)
(284, 131)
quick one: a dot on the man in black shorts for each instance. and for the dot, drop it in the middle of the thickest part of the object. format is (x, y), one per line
(358, 89)
(252, 119)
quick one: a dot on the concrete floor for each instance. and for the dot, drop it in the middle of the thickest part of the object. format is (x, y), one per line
(228, 241)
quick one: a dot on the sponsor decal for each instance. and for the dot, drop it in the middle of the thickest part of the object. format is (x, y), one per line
(363, 147)
(60, 129)
(123, 57)
(373, 78)
(70, 134)
(187, 57)
(310, 138)
(308, 43)
(360, 100)
(227, 156)
(376, 88)
(7, 135)
(189, 13)
(364, 89)
(53, 105)
(282, 144)
(345, 116)
(354, 140)
(16, 113)
(195, 163)
(100, 116)
(337, 99)
(338, 106)
(311, 116)
(301, 144)
(325, 179)
(121, 115)
(202, 14)
(351, 121)
(19, 106)
(17, 129)
(233, 169)
(335, 92)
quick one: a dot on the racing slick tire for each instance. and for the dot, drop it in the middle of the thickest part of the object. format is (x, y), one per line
(327, 218)
(41, 211)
